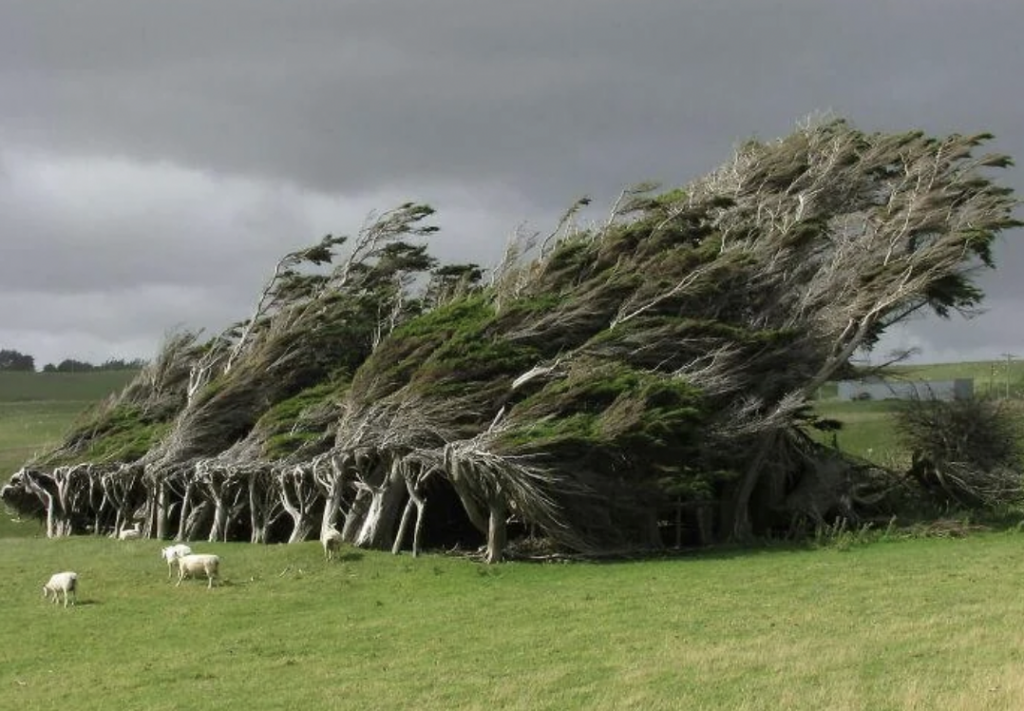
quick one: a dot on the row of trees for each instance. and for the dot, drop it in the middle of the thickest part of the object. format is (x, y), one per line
(600, 383)
(13, 360)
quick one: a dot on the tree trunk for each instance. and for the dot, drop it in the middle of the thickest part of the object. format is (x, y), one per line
(741, 529)
(196, 518)
(497, 532)
(302, 527)
(186, 506)
(258, 513)
(220, 516)
(356, 515)
(402, 527)
(161, 510)
(416, 504)
(332, 505)
(378, 526)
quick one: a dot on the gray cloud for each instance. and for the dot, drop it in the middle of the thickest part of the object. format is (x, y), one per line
(150, 149)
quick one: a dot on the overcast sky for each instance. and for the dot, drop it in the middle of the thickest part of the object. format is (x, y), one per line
(157, 158)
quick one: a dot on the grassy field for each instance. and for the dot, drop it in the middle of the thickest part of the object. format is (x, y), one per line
(65, 387)
(996, 377)
(867, 425)
(867, 428)
(36, 409)
(918, 624)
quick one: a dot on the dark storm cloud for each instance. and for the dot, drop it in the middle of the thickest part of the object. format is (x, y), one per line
(553, 98)
(150, 144)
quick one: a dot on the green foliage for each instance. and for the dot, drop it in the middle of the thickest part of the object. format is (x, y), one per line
(397, 359)
(465, 348)
(14, 361)
(119, 433)
(280, 445)
(300, 420)
(284, 414)
(620, 422)
(125, 445)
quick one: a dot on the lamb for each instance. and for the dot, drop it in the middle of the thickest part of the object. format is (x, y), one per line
(196, 563)
(130, 534)
(66, 583)
(331, 540)
(172, 553)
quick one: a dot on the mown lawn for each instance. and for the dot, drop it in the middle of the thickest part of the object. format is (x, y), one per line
(914, 624)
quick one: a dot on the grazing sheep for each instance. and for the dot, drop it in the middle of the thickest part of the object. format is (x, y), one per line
(66, 583)
(130, 534)
(331, 540)
(196, 563)
(172, 553)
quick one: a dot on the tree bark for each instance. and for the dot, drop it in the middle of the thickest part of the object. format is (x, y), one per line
(186, 511)
(497, 531)
(741, 529)
(161, 510)
(377, 530)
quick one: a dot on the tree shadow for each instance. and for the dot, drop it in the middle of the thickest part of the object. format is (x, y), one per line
(348, 557)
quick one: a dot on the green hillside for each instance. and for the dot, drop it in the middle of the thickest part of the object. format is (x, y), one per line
(988, 376)
(36, 409)
(76, 387)
(867, 425)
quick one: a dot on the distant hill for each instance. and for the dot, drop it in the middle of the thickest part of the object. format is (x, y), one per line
(76, 387)
(989, 376)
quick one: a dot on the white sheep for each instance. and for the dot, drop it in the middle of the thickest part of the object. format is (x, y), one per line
(331, 541)
(66, 583)
(172, 553)
(130, 534)
(196, 563)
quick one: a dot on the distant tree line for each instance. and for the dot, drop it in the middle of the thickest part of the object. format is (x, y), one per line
(12, 360)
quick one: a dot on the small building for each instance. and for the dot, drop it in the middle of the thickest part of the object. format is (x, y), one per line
(879, 389)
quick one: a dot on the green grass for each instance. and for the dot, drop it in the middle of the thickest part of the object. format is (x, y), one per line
(36, 409)
(911, 624)
(28, 427)
(988, 376)
(89, 387)
(867, 428)
(916, 624)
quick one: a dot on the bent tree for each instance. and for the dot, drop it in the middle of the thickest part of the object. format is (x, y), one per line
(595, 384)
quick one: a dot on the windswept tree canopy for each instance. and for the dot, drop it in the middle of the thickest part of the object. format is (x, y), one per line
(660, 360)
